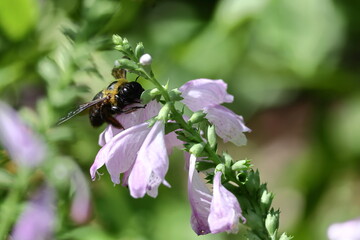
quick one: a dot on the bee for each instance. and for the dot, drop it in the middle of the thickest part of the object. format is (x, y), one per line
(119, 97)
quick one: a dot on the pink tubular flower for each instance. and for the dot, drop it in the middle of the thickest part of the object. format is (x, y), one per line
(200, 200)
(140, 152)
(208, 95)
(349, 230)
(24, 148)
(81, 204)
(225, 210)
(38, 219)
(212, 213)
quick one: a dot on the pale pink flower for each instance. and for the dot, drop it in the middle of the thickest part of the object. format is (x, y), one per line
(37, 221)
(81, 203)
(139, 152)
(23, 146)
(214, 212)
(207, 95)
(349, 230)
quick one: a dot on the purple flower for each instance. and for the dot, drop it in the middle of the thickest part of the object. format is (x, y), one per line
(81, 204)
(23, 146)
(208, 95)
(139, 152)
(225, 210)
(212, 213)
(38, 219)
(200, 200)
(349, 230)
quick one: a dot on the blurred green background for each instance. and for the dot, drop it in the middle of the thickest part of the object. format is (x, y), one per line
(293, 67)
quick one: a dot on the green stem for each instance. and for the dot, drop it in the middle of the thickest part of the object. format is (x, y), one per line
(9, 208)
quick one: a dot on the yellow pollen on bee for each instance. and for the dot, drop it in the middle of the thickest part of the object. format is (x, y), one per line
(113, 92)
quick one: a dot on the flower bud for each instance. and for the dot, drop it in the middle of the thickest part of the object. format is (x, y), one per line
(211, 135)
(197, 117)
(117, 40)
(272, 222)
(164, 113)
(149, 94)
(228, 160)
(241, 165)
(266, 199)
(285, 237)
(145, 59)
(139, 50)
(125, 41)
(175, 94)
(220, 167)
(197, 149)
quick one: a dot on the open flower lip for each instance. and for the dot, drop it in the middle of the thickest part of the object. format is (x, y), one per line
(208, 95)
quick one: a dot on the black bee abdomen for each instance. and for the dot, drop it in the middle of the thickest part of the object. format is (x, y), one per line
(96, 119)
(95, 112)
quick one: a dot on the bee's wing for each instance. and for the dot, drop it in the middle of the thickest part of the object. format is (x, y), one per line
(79, 109)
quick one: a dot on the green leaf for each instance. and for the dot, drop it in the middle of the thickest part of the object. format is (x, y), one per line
(18, 17)
(6, 179)
(204, 165)
(171, 127)
(127, 64)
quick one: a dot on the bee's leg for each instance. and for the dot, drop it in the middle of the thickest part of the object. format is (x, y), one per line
(108, 117)
(113, 121)
(133, 109)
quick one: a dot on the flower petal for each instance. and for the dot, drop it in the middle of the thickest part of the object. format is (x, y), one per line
(129, 120)
(201, 93)
(38, 219)
(21, 143)
(200, 199)
(109, 132)
(225, 209)
(120, 152)
(81, 204)
(228, 125)
(140, 115)
(151, 164)
(349, 230)
(172, 141)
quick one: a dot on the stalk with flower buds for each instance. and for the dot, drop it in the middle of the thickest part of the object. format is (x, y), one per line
(237, 194)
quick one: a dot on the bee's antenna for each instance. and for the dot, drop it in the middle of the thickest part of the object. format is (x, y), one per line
(137, 78)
